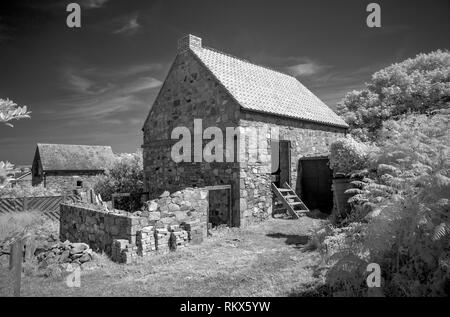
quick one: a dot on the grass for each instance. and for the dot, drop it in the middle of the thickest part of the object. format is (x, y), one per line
(267, 259)
(15, 222)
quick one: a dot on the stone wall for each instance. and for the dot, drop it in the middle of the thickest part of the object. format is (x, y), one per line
(67, 181)
(189, 205)
(307, 140)
(97, 227)
(189, 92)
(125, 236)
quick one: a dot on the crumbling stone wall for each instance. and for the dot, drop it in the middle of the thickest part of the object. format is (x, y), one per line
(125, 236)
(97, 227)
(189, 205)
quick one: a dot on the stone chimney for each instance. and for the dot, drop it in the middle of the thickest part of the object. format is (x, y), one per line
(188, 42)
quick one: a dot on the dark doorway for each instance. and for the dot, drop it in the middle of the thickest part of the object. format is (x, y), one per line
(281, 162)
(314, 184)
(219, 209)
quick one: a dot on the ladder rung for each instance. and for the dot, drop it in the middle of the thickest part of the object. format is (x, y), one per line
(284, 190)
(295, 203)
(290, 196)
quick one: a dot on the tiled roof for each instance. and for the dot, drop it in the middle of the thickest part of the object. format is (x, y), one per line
(261, 89)
(68, 157)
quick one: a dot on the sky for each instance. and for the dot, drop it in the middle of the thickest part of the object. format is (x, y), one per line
(95, 84)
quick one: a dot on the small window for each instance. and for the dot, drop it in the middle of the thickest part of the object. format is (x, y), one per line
(79, 183)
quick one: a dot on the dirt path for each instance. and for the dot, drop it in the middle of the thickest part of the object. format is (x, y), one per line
(261, 260)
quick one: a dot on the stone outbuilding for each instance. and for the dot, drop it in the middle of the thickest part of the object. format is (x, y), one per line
(67, 167)
(295, 129)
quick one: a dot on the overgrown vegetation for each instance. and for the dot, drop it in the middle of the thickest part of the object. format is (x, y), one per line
(416, 85)
(401, 203)
(348, 155)
(16, 222)
(125, 176)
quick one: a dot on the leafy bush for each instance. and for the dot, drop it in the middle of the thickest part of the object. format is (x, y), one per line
(416, 85)
(408, 190)
(125, 176)
(348, 155)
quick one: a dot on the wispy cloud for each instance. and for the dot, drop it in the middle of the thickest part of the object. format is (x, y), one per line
(93, 4)
(333, 85)
(93, 93)
(329, 82)
(307, 68)
(297, 66)
(130, 27)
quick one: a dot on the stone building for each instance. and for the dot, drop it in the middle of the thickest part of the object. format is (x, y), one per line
(224, 91)
(67, 167)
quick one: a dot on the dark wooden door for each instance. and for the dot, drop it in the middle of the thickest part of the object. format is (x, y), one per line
(285, 162)
(316, 180)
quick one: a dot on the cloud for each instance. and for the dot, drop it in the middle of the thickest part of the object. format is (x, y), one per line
(305, 69)
(333, 85)
(329, 82)
(131, 26)
(93, 4)
(297, 66)
(105, 94)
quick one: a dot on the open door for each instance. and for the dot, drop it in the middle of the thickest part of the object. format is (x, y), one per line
(281, 162)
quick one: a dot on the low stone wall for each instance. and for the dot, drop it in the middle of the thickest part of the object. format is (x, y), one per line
(98, 227)
(188, 206)
(180, 216)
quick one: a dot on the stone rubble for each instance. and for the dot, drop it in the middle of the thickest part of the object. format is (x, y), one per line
(63, 252)
(122, 251)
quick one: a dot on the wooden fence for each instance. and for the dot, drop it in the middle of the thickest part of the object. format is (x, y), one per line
(49, 205)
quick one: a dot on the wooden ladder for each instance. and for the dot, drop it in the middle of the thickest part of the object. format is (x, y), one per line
(290, 200)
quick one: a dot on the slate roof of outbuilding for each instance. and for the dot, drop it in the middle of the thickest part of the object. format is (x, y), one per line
(68, 157)
(265, 90)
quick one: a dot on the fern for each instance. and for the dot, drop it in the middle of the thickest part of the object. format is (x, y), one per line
(441, 231)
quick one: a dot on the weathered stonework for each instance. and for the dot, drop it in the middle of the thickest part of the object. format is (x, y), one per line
(307, 140)
(67, 182)
(97, 227)
(186, 206)
(125, 236)
(191, 91)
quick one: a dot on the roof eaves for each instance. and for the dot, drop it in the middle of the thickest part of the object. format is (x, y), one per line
(346, 126)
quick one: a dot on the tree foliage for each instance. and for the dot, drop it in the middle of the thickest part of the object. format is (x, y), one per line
(416, 85)
(126, 175)
(407, 190)
(401, 200)
(9, 111)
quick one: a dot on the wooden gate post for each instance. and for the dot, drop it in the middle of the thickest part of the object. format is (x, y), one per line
(15, 264)
(25, 203)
